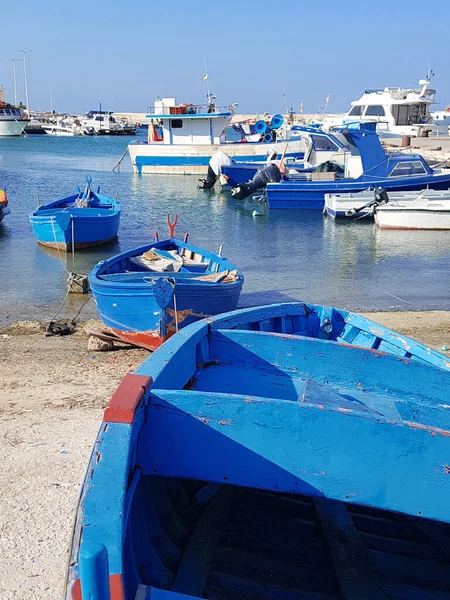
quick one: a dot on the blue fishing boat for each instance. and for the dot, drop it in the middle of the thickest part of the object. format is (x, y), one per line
(368, 166)
(291, 451)
(79, 221)
(146, 294)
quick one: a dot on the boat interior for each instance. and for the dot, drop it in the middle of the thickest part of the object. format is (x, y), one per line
(202, 540)
(78, 201)
(173, 257)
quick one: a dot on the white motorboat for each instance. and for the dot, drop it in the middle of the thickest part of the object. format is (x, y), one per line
(63, 127)
(363, 204)
(424, 212)
(442, 118)
(397, 111)
(12, 118)
(100, 123)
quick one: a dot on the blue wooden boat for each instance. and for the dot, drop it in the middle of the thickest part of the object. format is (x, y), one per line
(290, 451)
(82, 220)
(369, 166)
(146, 294)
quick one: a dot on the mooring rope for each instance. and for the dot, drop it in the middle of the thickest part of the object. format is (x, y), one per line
(57, 247)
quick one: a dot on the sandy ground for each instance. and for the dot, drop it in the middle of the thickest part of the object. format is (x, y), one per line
(53, 391)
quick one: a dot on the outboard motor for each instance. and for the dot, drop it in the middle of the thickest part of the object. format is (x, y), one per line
(208, 183)
(381, 195)
(217, 160)
(269, 174)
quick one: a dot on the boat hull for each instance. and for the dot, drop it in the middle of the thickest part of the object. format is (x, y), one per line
(133, 313)
(4, 210)
(87, 231)
(393, 217)
(345, 206)
(67, 246)
(12, 127)
(311, 194)
(158, 158)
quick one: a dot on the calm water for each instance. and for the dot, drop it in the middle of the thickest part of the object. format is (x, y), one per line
(284, 255)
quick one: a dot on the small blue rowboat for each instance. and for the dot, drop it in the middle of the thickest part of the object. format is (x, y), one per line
(290, 451)
(145, 295)
(80, 221)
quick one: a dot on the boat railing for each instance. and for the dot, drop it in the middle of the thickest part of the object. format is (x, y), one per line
(190, 109)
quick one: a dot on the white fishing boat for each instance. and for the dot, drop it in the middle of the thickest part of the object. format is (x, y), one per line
(363, 204)
(12, 118)
(183, 137)
(424, 212)
(397, 111)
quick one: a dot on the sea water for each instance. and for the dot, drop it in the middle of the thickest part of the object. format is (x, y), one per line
(284, 255)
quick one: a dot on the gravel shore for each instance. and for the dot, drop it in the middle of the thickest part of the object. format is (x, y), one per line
(53, 393)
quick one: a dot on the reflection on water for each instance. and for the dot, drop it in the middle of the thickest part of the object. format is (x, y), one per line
(284, 255)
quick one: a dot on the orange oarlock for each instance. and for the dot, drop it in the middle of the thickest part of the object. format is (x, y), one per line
(172, 225)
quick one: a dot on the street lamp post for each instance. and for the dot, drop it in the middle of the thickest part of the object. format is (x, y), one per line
(16, 99)
(26, 79)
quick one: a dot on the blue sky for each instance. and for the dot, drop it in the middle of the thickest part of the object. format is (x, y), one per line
(124, 54)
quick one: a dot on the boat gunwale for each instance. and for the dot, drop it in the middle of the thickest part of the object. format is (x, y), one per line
(104, 203)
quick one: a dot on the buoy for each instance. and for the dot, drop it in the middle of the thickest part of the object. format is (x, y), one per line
(260, 127)
(277, 121)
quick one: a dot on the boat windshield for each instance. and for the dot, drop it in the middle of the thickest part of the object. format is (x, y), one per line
(403, 169)
(356, 111)
(411, 114)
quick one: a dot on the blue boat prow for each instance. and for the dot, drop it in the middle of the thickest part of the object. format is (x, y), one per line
(82, 220)
(289, 451)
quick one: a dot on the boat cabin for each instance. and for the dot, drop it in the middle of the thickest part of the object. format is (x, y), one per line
(368, 158)
(396, 110)
(7, 110)
(172, 124)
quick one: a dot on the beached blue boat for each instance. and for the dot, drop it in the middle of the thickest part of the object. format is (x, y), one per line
(290, 451)
(369, 166)
(146, 294)
(82, 220)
